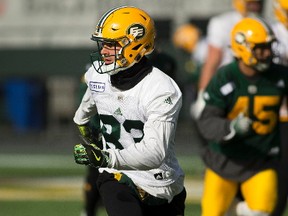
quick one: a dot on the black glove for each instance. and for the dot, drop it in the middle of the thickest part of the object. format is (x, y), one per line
(91, 155)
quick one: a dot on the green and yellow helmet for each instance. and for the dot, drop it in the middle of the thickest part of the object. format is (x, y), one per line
(130, 27)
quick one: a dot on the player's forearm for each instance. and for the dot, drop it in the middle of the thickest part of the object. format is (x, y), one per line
(212, 62)
(149, 153)
(212, 125)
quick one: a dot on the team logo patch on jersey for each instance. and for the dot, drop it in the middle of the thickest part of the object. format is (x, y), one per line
(137, 30)
(227, 88)
(281, 83)
(97, 86)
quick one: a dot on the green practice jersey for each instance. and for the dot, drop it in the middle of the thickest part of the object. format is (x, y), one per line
(258, 98)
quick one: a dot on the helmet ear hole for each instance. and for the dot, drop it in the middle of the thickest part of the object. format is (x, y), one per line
(138, 57)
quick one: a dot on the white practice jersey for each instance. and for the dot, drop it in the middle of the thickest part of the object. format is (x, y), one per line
(281, 50)
(138, 127)
(218, 33)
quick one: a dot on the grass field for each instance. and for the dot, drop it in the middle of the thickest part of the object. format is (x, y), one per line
(51, 185)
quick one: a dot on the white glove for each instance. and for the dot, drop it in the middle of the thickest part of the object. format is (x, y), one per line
(240, 125)
(197, 107)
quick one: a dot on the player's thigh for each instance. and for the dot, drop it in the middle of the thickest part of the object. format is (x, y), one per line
(218, 194)
(260, 191)
(118, 199)
(175, 208)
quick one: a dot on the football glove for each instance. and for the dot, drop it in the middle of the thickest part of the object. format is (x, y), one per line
(197, 107)
(90, 134)
(91, 155)
(241, 125)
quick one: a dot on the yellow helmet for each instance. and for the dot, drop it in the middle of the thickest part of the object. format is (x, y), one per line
(186, 37)
(281, 11)
(248, 33)
(241, 6)
(130, 27)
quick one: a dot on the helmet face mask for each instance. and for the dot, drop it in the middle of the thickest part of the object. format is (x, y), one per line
(98, 59)
(251, 42)
(129, 27)
(263, 60)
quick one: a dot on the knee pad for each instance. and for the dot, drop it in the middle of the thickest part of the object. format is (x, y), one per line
(242, 209)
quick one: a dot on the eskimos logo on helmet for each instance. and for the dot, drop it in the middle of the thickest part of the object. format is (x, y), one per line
(137, 30)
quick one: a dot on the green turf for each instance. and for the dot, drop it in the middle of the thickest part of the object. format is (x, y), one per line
(39, 166)
(43, 208)
(63, 165)
(58, 208)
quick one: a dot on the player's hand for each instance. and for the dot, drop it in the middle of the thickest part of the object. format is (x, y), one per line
(91, 155)
(241, 124)
(197, 107)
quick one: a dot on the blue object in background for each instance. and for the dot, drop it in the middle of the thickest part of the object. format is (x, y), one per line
(25, 101)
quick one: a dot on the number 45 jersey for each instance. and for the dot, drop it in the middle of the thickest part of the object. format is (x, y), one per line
(138, 128)
(258, 98)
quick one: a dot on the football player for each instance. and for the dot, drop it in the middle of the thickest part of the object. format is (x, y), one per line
(188, 39)
(280, 29)
(218, 39)
(240, 121)
(138, 107)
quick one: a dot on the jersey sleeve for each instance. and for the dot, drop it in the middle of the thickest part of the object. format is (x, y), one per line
(87, 108)
(215, 36)
(213, 124)
(216, 89)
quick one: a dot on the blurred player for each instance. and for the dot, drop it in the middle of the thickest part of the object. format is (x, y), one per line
(164, 61)
(280, 29)
(241, 122)
(188, 38)
(192, 47)
(138, 106)
(218, 40)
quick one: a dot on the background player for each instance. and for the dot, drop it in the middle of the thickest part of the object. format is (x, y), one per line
(240, 121)
(218, 39)
(280, 29)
